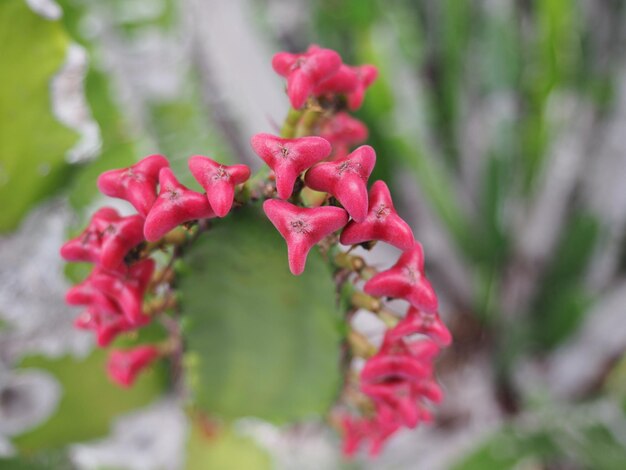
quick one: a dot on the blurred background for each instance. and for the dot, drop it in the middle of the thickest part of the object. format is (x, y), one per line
(500, 126)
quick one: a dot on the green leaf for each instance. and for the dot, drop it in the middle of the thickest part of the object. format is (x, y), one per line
(54, 460)
(32, 142)
(89, 400)
(223, 449)
(261, 341)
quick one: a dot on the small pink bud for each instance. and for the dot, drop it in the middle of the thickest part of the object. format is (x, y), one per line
(343, 132)
(304, 71)
(218, 181)
(289, 157)
(367, 74)
(128, 288)
(124, 366)
(350, 81)
(381, 223)
(136, 184)
(106, 240)
(346, 179)
(175, 205)
(303, 227)
(106, 325)
(405, 280)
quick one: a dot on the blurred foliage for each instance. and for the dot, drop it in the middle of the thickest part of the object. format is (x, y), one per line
(212, 449)
(32, 142)
(260, 341)
(89, 400)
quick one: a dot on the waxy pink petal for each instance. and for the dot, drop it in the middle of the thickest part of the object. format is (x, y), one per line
(128, 288)
(289, 157)
(346, 179)
(218, 181)
(406, 280)
(305, 71)
(124, 366)
(303, 227)
(107, 239)
(106, 325)
(175, 205)
(136, 184)
(418, 321)
(381, 223)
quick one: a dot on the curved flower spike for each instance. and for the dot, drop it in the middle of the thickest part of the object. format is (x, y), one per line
(351, 81)
(218, 181)
(136, 184)
(418, 321)
(289, 157)
(343, 132)
(303, 227)
(175, 205)
(128, 288)
(304, 71)
(405, 280)
(106, 240)
(124, 366)
(346, 179)
(381, 223)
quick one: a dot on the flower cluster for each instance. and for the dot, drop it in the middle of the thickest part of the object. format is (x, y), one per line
(123, 291)
(315, 193)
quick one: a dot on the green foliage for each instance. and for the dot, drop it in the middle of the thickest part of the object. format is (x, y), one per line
(32, 142)
(223, 449)
(89, 400)
(261, 342)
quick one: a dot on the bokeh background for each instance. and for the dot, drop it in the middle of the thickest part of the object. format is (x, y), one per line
(500, 126)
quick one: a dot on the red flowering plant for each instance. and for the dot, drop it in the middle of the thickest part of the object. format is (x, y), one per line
(148, 267)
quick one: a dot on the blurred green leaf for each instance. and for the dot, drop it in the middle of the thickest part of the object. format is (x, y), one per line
(223, 449)
(43, 461)
(32, 142)
(89, 400)
(261, 342)
(562, 300)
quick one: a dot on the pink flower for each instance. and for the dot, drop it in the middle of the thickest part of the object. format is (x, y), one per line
(106, 240)
(303, 227)
(175, 205)
(289, 157)
(381, 223)
(343, 132)
(128, 288)
(304, 71)
(346, 179)
(124, 366)
(418, 321)
(107, 325)
(218, 181)
(350, 81)
(136, 184)
(406, 280)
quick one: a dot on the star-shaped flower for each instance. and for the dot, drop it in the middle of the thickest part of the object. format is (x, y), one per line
(346, 179)
(218, 181)
(406, 280)
(381, 223)
(289, 157)
(136, 184)
(303, 227)
(418, 321)
(343, 132)
(350, 81)
(304, 71)
(175, 205)
(124, 366)
(106, 325)
(106, 240)
(128, 288)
